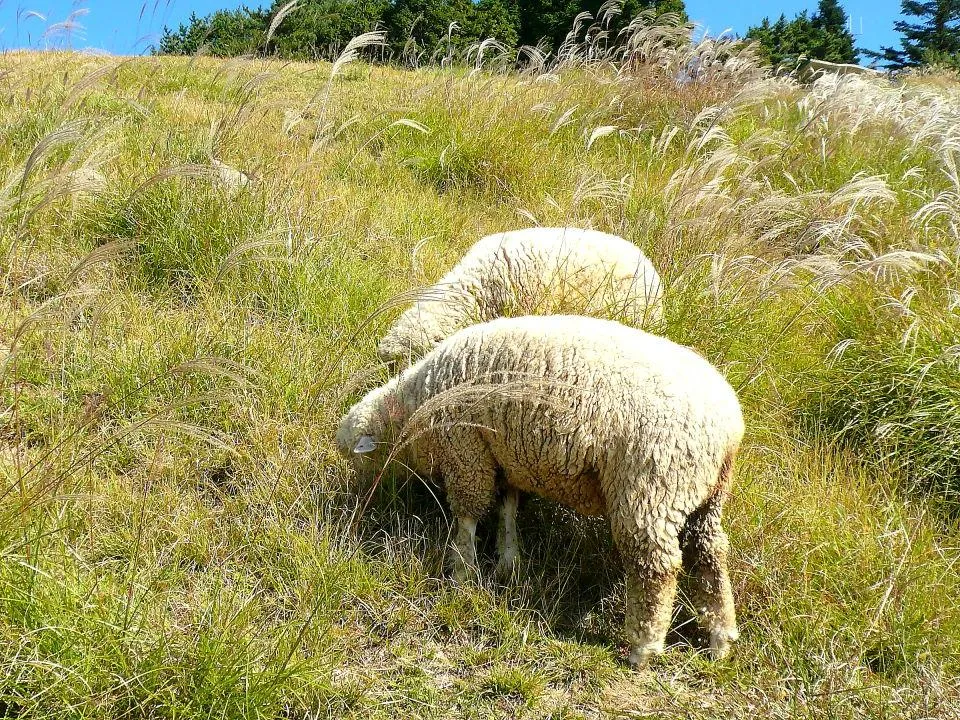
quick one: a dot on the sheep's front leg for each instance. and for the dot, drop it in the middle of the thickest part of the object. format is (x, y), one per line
(470, 476)
(464, 558)
(507, 535)
(705, 549)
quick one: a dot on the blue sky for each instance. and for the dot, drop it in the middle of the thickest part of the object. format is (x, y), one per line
(130, 26)
(872, 19)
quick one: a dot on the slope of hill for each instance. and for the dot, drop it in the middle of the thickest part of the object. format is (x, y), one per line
(199, 257)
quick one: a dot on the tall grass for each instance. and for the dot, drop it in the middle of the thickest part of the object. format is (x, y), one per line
(199, 257)
(890, 385)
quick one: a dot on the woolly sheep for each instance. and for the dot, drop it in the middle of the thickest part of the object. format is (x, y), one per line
(536, 271)
(603, 418)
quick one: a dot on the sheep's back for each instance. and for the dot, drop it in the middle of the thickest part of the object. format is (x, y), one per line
(569, 399)
(546, 271)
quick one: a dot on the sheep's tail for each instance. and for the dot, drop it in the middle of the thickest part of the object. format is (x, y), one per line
(725, 479)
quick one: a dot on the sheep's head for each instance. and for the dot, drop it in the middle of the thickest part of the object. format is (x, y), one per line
(430, 321)
(397, 351)
(369, 427)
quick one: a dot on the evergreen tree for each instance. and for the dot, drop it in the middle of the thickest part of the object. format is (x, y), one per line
(495, 19)
(320, 28)
(821, 36)
(833, 40)
(415, 28)
(546, 20)
(935, 39)
(422, 28)
(768, 37)
(551, 20)
(225, 33)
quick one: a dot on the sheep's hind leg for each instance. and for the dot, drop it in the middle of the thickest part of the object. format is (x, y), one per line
(650, 596)
(653, 562)
(705, 548)
(507, 535)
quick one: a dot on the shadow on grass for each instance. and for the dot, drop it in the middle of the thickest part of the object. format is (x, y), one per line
(571, 574)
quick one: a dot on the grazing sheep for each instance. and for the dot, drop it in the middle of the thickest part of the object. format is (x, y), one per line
(603, 418)
(537, 271)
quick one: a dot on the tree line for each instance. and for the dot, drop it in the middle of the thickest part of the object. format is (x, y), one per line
(418, 29)
(319, 28)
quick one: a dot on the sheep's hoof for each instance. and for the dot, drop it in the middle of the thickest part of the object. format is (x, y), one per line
(721, 642)
(640, 655)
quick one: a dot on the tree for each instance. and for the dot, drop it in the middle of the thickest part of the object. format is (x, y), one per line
(426, 30)
(224, 33)
(935, 39)
(317, 28)
(546, 20)
(551, 20)
(833, 40)
(497, 19)
(821, 36)
(320, 28)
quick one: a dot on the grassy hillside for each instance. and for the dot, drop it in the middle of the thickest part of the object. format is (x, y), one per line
(178, 538)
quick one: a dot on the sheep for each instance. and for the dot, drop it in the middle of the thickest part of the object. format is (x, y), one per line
(536, 271)
(604, 418)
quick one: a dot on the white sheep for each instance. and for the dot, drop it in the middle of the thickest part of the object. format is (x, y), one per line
(603, 418)
(536, 271)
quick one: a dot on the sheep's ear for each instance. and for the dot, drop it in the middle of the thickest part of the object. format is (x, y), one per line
(365, 444)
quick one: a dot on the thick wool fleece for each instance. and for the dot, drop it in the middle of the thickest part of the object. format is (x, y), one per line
(536, 271)
(603, 418)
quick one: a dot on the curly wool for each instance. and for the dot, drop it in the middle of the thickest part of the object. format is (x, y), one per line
(536, 271)
(603, 418)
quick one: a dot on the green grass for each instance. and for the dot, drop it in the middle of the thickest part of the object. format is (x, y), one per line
(179, 538)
